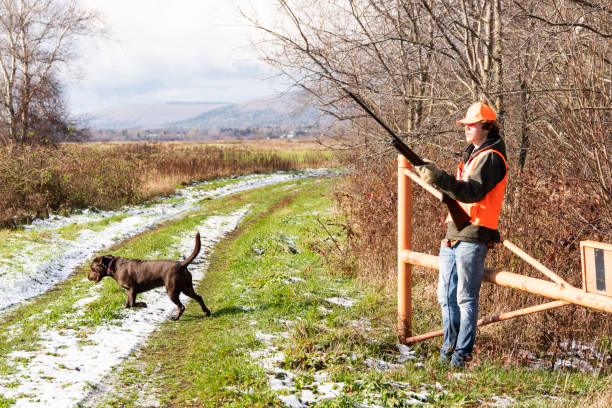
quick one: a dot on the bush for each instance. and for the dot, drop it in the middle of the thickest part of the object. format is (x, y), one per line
(39, 180)
(542, 214)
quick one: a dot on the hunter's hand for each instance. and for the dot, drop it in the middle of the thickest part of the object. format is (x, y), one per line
(428, 172)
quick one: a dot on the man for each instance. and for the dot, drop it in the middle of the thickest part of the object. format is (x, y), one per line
(479, 188)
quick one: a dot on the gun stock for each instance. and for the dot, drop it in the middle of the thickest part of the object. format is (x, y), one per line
(459, 216)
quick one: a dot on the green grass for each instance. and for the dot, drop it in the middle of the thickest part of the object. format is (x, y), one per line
(268, 287)
(5, 403)
(20, 328)
(209, 362)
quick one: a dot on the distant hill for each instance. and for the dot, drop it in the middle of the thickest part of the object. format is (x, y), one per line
(290, 110)
(145, 116)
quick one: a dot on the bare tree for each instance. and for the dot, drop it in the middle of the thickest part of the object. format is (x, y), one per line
(419, 61)
(576, 119)
(416, 61)
(594, 16)
(36, 44)
(470, 38)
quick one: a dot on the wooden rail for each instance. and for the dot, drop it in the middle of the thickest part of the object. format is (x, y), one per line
(495, 318)
(523, 283)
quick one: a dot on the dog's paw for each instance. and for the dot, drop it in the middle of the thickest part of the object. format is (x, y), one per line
(174, 318)
(140, 304)
(207, 313)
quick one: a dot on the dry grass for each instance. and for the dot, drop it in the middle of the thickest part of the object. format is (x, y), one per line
(542, 214)
(37, 180)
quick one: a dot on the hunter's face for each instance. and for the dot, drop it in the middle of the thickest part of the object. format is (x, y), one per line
(475, 134)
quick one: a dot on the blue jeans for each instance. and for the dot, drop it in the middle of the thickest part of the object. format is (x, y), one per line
(461, 270)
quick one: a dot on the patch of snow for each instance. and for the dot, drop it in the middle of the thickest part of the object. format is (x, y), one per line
(410, 397)
(282, 381)
(292, 401)
(69, 363)
(381, 364)
(287, 323)
(94, 294)
(501, 401)
(341, 301)
(459, 376)
(406, 353)
(323, 310)
(40, 266)
(361, 325)
(267, 338)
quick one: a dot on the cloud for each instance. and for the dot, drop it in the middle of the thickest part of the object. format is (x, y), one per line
(188, 50)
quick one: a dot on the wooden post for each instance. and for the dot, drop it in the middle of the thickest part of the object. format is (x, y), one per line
(428, 187)
(404, 237)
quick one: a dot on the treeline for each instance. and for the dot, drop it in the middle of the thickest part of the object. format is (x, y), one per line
(545, 67)
(171, 134)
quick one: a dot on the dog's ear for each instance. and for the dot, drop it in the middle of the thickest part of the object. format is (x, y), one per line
(106, 259)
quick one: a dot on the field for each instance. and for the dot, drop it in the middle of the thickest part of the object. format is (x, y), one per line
(36, 181)
(293, 322)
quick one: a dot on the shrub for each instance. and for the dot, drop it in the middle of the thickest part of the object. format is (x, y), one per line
(543, 214)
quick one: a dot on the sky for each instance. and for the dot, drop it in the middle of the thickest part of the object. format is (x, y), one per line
(169, 51)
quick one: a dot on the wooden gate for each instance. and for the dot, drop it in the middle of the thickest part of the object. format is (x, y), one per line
(596, 292)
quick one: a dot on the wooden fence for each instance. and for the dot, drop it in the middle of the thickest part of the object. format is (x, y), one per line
(596, 269)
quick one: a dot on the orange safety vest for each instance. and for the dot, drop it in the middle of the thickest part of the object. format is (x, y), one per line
(484, 213)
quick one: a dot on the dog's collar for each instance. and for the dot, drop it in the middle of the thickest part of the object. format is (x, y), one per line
(108, 268)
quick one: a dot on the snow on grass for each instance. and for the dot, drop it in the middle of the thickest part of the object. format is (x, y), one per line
(69, 363)
(283, 381)
(501, 401)
(575, 355)
(35, 267)
(341, 301)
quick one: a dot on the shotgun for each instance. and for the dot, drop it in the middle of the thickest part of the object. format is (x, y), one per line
(459, 216)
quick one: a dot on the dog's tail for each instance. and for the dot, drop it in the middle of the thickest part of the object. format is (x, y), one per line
(195, 252)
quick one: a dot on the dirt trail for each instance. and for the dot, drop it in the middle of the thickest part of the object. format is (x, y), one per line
(70, 360)
(35, 260)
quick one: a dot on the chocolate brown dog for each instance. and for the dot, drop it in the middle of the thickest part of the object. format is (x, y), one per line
(139, 276)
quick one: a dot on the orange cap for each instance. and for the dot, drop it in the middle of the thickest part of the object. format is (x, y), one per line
(476, 113)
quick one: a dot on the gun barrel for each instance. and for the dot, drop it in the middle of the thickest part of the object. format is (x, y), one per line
(397, 142)
(459, 216)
